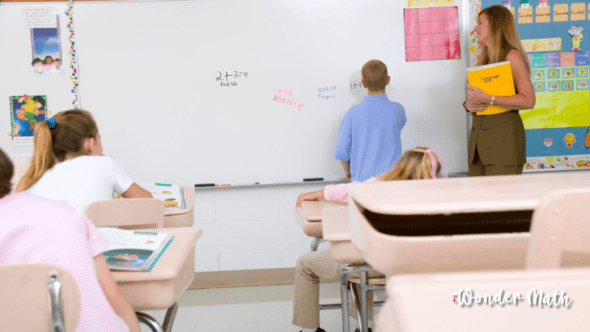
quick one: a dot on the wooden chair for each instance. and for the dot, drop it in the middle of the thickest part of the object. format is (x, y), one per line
(38, 297)
(129, 213)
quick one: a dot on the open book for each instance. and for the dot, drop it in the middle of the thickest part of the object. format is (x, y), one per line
(171, 194)
(494, 79)
(133, 250)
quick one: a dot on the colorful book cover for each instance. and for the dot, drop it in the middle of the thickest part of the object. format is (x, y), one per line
(133, 250)
(494, 79)
(171, 194)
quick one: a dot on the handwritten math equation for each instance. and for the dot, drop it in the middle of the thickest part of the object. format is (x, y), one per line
(285, 96)
(355, 85)
(229, 79)
(327, 92)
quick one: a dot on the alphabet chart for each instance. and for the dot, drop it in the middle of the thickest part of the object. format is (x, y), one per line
(558, 127)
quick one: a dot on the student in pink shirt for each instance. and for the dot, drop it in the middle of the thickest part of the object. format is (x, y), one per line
(38, 230)
(415, 164)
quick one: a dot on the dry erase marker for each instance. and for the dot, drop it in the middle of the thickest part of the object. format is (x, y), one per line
(313, 179)
(204, 185)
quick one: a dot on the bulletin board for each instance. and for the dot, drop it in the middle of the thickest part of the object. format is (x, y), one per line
(558, 128)
(234, 91)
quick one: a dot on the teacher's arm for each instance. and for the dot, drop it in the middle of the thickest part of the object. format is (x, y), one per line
(525, 99)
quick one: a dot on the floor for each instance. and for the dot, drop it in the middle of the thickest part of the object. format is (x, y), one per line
(248, 309)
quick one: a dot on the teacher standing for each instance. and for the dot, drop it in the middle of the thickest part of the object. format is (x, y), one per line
(497, 142)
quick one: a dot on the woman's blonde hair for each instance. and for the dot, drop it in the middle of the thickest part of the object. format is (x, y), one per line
(415, 164)
(503, 37)
(71, 130)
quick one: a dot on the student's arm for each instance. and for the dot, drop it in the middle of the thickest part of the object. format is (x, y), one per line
(114, 295)
(346, 167)
(332, 192)
(136, 191)
(477, 100)
(310, 196)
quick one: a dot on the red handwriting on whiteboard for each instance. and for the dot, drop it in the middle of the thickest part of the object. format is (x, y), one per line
(286, 97)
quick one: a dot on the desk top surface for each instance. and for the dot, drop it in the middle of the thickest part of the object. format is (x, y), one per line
(312, 210)
(463, 195)
(171, 262)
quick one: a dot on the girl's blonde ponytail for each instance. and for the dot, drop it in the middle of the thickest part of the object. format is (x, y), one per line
(42, 159)
(70, 129)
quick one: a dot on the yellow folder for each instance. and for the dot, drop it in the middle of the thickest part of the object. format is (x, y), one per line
(496, 80)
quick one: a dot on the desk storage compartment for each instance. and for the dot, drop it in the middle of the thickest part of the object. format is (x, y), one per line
(411, 252)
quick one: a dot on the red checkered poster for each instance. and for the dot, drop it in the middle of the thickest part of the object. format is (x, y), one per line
(432, 33)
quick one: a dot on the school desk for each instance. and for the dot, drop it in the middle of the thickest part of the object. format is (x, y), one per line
(170, 277)
(455, 224)
(410, 297)
(308, 216)
(182, 217)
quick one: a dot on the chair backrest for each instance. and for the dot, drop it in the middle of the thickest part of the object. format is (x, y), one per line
(129, 213)
(561, 223)
(335, 230)
(38, 297)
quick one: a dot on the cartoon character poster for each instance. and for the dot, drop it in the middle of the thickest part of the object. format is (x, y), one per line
(46, 47)
(26, 113)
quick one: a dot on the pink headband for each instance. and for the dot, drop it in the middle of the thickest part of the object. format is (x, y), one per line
(431, 153)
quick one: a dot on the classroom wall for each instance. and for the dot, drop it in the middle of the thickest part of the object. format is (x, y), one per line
(249, 228)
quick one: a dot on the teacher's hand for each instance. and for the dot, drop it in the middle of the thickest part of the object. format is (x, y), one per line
(475, 95)
(474, 107)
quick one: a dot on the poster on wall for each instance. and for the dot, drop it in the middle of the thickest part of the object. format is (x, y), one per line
(558, 128)
(26, 112)
(432, 33)
(46, 50)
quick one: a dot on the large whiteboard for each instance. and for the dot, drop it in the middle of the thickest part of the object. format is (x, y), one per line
(149, 74)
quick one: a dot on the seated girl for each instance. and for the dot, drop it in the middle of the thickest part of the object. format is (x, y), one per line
(415, 164)
(68, 164)
(38, 230)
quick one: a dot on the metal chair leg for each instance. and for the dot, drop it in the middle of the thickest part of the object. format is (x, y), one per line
(169, 319)
(364, 324)
(150, 321)
(356, 299)
(344, 298)
(316, 242)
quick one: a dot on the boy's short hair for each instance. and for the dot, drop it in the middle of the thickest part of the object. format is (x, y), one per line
(6, 173)
(374, 74)
(36, 60)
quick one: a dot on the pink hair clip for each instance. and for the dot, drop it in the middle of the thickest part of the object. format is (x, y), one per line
(431, 153)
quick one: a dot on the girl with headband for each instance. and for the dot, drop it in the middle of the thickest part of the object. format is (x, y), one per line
(68, 163)
(415, 164)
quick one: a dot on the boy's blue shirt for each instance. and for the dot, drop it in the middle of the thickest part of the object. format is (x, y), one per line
(369, 136)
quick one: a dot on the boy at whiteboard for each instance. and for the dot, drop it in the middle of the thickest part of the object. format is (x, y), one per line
(369, 141)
